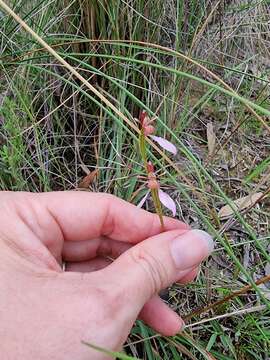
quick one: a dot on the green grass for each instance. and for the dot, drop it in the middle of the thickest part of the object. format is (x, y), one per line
(52, 128)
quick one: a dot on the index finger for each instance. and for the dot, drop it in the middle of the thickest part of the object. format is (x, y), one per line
(82, 216)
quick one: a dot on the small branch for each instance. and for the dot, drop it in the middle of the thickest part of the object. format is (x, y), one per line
(226, 298)
(237, 312)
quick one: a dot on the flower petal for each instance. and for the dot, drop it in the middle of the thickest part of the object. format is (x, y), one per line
(165, 144)
(143, 200)
(167, 201)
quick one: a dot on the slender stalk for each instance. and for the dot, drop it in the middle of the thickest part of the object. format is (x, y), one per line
(142, 146)
(237, 312)
(225, 299)
(154, 193)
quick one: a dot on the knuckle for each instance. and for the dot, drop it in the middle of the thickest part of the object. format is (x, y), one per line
(153, 268)
(86, 287)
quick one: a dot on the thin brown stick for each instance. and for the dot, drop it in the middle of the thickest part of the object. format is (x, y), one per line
(181, 348)
(237, 312)
(225, 299)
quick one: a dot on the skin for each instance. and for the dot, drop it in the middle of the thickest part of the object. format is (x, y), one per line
(116, 261)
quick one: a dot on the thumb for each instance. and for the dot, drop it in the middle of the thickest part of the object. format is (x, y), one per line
(157, 262)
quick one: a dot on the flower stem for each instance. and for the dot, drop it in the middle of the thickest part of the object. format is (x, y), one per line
(142, 146)
(151, 177)
(157, 204)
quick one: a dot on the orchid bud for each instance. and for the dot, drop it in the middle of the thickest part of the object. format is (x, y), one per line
(142, 117)
(148, 130)
(145, 122)
(152, 184)
(150, 167)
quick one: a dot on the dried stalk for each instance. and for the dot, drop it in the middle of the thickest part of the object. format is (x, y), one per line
(242, 291)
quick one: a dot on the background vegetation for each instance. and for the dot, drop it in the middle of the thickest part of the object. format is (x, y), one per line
(202, 68)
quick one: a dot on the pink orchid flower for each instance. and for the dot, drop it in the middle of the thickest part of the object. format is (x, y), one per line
(149, 129)
(164, 198)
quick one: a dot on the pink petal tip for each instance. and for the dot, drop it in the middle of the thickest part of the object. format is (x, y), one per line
(167, 201)
(165, 144)
(141, 203)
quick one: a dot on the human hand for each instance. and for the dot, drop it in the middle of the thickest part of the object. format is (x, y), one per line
(45, 312)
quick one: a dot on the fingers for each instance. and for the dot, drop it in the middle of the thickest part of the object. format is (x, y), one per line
(148, 267)
(155, 312)
(54, 218)
(88, 266)
(189, 276)
(84, 216)
(160, 317)
(85, 250)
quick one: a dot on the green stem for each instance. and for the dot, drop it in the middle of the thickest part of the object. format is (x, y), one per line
(142, 146)
(154, 193)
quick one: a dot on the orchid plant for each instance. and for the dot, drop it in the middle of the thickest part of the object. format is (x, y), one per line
(147, 129)
(159, 197)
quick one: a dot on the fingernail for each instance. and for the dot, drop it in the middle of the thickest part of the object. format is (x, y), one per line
(191, 248)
